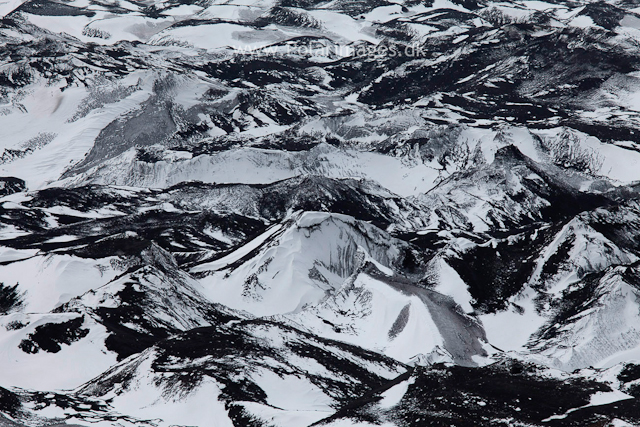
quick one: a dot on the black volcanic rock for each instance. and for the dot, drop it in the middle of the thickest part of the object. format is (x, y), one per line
(498, 395)
(11, 185)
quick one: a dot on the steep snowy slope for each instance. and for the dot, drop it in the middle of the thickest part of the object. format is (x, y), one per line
(149, 301)
(389, 314)
(512, 191)
(588, 330)
(566, 290)
(236, 373)
(295, 263)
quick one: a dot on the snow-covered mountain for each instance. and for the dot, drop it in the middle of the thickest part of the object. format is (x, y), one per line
(333, 213)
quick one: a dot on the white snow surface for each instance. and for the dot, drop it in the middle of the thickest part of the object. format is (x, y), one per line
(298, 264)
